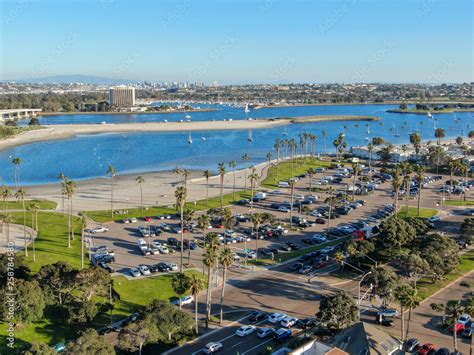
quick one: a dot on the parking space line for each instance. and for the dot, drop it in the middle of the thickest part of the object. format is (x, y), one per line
(257, 346)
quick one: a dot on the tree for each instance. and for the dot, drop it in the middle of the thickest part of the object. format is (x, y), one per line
(397, 184)
(232, 165)
(185, 173)
(20, 196)
(16, 163)
(407, 296)
(340, 144)
(172, 324)
(89, 342)
(68, 188)
(112, 171)
(377, 141)
(253, 177)
(420, 177)
(246, 159)
(384, 282)
(356, 170)
(415, 140)
(196, 285)
(6, 194)
(29, 302)
(180, 195)
(40, 349)
(140, 180)
(311, 172)
(441, 252)
(257, 220)
(394, 234)
(211, 255)
(56, 280)
(360, 249)
(222, 172)
(440, 133)
(180, 284)
(412, 264)
(34, 207)
(137, 334)
(459, 141)
(226, 259)
(207, 174)
(338, 311)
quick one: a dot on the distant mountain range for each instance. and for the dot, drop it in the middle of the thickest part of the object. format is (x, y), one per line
(67, 79)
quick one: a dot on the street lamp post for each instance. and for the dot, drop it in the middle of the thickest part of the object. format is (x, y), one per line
(359, 300)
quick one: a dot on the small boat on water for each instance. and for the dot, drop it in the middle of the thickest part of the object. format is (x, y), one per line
(247, 110)
(188, 117)
(250, 138)
(429, 115)
(190, 139)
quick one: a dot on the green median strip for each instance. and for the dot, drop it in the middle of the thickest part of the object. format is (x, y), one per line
(413, 212)
(41, 205)
(459, 203)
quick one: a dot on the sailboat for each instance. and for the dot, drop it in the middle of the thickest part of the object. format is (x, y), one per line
(395, 130)
(246, 110)
(368, 133)
(250, 138)
(285, 133)
(190, 139)
(188, 116)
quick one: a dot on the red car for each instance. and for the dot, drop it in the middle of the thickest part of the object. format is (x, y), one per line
(459, 328)
(148, 219)
(427, 348)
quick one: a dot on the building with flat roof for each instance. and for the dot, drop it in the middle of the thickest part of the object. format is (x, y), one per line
(122, 96)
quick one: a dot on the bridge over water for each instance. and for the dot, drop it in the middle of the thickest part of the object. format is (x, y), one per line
(18, 114)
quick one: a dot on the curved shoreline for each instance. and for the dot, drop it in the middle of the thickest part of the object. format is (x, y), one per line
(59, 132)
(72, 113)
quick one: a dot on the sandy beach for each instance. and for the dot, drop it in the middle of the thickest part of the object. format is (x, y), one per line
(57, 132)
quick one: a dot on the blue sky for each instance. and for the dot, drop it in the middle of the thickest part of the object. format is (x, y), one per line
(261, 41)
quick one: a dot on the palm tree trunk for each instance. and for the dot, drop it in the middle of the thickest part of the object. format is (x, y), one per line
(208, 296)
(196, 313)
(141, 196)
(207, 192)
(68, 227)
(408, 323)
(419, 201)
(224, 276)
(112, 197)
(24, 226)
(403, 322)
(182, 239)
(222, 191)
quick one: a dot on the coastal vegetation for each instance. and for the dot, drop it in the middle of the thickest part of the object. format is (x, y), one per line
(7, 131)
(425, 108)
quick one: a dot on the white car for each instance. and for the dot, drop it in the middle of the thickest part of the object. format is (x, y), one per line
(184, 300)
(327, 250)
(389, 312)
(276, 317)
(163, 249)
(251, 254)
(133, 220)
(434, 219)
(245, 330)
(288, 322)
(464, 319)
(212, 348)
(284, 209)
(156, 244)
(100, 229)
(144, 270)
(134, 272)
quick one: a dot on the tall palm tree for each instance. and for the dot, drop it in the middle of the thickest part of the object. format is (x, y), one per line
(196, 285)
(180, 195)
(397, 184)
(253, 177)
(207, 174)
(16, 163)
(20, 196)
(403, 294)
(140, 179)
(232, 165)
(406, 170)
(292, 196)
(246, 159)
(356, 170)
(180, 284)
(112, 171)
(185, 173)
(226, 259)
(6, 219)
(70, 189)
(34, 207)
(83, 228)
(6, 194)
(454, 165)
(440, 133)
(211, 255)
(420, 177)
(311, 172)
(370, 149)
(203, 221)
(62, 178)
(415, 140)
(325, 136)
(222, 172)
(257, 219)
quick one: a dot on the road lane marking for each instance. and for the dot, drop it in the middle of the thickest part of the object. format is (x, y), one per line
(257, 346)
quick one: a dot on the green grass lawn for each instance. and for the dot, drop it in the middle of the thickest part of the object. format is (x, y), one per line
(459, 203)
(426, 288)
(200, 205)
(284, 170)
(42, 204)
(413, 212)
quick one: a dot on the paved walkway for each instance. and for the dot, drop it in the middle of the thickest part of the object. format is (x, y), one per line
(15, 234)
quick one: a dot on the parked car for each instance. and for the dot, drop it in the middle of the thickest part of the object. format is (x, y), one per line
(307, 323)
(184, 300)
(411, 345)
(276, 317)
(144, 270)
(426, 348)
(443, 351)
(99, 229)
(134, 272)
(212, 348)
(289, 322)
(389, 312)
(459, 328)
(464, 319)
(281, 334)
(467, 333)
(305, 269)
(264, 332)
(255, 316)
(245, 330)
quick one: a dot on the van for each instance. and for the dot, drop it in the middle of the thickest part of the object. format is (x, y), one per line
(283, 184)
(260, 196)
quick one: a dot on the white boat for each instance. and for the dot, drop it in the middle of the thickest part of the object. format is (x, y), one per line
(429, 115)
(188, 117)
(190, 139)
(250, 138)
(247, 110)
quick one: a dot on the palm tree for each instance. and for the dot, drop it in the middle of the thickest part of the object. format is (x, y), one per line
(180, 284)
(277, 147)
(440, 133)
(16, 163)
(454, 165)
(211, 255)
(140, 179)
(226, 258)
(62, 178)
(70, 187)
(185, 173)
(246, 159)
(311, 172)
(203, 221)
(420, 177)
(253, 177)
(180, 195)
(415, 139)
(6, 194)
(33, 207)
(324, 135)
(222, 172)
(292, 195)
(356, 170)
(269, 159)
(20, 196)
(406, 295)
(196, 285)
(83, 227)
(207, 174)
(112, 171)
(370, 149)
(257, 219)
(406, 170)
(330, 200)
(6, 219)
(232, 165)
(396, 183)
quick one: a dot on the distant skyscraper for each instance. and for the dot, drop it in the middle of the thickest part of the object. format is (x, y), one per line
(122, 96)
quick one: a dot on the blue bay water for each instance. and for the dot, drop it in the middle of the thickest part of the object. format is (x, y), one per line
(88, 156)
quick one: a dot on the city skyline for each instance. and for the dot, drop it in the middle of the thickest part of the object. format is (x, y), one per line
(237, 43)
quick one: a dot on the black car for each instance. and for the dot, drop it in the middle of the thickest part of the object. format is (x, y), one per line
(293, 246)
(105, 330)
(285, 247)
(254, 317)
(275, 206)
(107, 267)
(411, 345)
(153, 268)
(163, 267)
(265, 252)
(442, 351)
(273, 250)
(296, 266)
(307, 323)
(172, 241)
(309, 241)
(243, 202)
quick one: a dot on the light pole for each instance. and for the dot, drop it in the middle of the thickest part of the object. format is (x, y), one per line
(359, 300)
